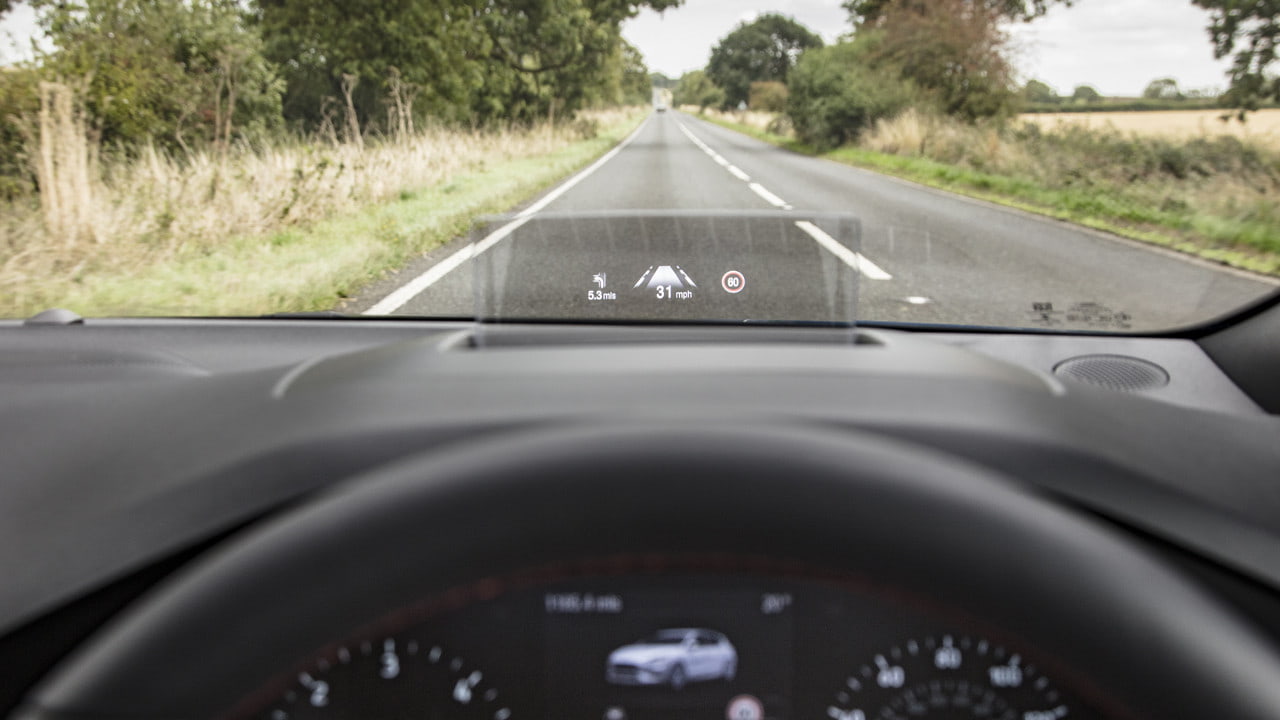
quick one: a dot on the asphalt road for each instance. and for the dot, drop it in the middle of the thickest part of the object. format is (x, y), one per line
(784, 254)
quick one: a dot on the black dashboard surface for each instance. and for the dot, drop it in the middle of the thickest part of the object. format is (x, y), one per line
(126, 443)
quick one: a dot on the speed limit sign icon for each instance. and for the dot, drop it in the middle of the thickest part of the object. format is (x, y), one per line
(733, 282)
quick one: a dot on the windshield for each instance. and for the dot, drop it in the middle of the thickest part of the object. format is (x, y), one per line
(1098, 165)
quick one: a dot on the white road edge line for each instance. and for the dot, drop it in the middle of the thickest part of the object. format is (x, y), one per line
(399, 297)
(857, 261)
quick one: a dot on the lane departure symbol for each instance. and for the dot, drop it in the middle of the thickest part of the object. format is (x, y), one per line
(666, 275)
(733, 282)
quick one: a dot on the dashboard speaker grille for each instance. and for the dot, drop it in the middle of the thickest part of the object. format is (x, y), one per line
(1115, 372)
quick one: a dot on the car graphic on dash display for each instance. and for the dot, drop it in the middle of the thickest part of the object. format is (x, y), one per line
(673, 657)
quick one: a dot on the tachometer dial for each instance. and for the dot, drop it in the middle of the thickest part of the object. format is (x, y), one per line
(391, 679)
(948, 677)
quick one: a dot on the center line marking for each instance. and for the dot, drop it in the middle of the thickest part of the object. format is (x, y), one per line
(857, 261)
(769, 197)
(735, 171)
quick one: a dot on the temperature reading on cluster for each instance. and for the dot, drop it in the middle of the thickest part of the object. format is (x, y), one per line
(774, 603)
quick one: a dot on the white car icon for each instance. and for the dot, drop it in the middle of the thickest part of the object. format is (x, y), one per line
(673, 657)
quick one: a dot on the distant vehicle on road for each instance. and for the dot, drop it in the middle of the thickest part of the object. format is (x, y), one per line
(673, 657)
(661, 99)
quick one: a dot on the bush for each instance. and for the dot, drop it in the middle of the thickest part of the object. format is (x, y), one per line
(19, 101)
(835, 96)
(695, 88)
(768, 97)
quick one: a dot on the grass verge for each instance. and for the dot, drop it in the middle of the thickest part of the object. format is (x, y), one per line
(315, 265)
(1241, 240)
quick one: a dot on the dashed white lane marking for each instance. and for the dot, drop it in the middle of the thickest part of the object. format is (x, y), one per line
(402, 295)
(769, 197)
(857, 261)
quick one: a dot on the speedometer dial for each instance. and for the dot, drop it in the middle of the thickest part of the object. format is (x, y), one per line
(949, 677)
(389, 679)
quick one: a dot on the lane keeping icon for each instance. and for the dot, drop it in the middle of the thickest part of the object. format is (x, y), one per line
(733, 282)
(664, 276)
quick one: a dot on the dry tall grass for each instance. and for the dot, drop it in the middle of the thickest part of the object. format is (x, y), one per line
(1262, 127)
(763, 121)
(1217, 192)
(115, 217)
(919, 134)
(66, 165)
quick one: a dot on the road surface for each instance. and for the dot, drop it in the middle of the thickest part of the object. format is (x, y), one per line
(923, 255)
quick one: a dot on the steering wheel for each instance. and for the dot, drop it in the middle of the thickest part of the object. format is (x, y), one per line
(1137, 636)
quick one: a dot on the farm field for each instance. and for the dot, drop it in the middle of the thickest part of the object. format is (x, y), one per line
(1262, 127)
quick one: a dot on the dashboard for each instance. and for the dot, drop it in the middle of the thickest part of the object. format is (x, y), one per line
(317, 518)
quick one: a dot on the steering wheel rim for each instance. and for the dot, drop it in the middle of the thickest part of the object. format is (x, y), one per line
(1141, 639)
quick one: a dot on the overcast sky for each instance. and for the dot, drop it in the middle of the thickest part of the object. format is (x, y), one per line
(1118, 46)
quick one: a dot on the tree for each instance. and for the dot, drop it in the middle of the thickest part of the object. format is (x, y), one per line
(1084, 94)
(19, 99)
(953, 50)
(762, 50)
(1247, 30)
(1251, 31)
(637, 88)
(659, 80)
(836, 92)
(695, 88)
(317, 42)
(471, 59)
(561, 46)
(1036, 91)
(176, 71)
(1163, 89)
(866, 12)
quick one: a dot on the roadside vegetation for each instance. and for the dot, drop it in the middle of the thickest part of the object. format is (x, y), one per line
(244, 157)
(1262, 127)
(1213, 196)
(281, 228)
(926, 91)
